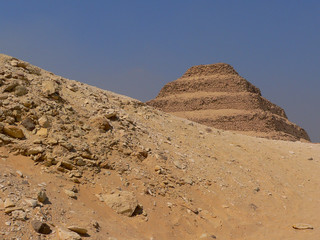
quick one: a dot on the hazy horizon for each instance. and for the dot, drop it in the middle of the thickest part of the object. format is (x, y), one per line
(135, 47)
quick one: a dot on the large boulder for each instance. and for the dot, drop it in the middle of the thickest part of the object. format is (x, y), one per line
(13, 131)
(122, 202)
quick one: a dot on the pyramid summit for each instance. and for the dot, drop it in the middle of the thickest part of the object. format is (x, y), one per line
(210, 69)
(217, 96)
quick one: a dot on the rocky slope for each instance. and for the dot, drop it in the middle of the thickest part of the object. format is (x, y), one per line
(215, 95)
(78, 162)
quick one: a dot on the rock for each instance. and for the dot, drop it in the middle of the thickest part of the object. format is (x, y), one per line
(13, 131)
(11, 209)
(40, 227)
(1, 203)
(111, 114)
(188, 180)
(79, 230)
(100, 122)
(80, 162)
(96, 225)
(207, 236)
(66, 165)
(1, 127)
(31, 202)
(141, 155)
(19, 173)
(49, 88)
(42, 196)
(4, 138)
(70, 194)
(20, 91)
(179, 165)
(157, 168)
(19, 215)
(64, 234)
(42, 132)
(34, 150)
(302, 226)
(19, 63)
(74, 189)
(44, 122)
(8, 203)
(14, 63)
(28, 123)
(67, 145)
(122, 202)
(11, 86)
(27, 103)
(3, 96)
(52, 141)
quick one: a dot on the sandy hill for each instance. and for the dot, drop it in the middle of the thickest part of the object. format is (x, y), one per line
(78, 162)
(217, 96)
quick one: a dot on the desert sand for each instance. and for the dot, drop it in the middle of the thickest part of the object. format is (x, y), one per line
(78, 157)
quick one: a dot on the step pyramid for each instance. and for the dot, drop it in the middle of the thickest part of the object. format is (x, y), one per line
(217, 96)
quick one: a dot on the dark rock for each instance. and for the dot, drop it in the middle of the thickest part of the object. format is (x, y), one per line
(41, 227)
(28, 123)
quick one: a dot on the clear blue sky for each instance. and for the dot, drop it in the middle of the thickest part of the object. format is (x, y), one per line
(135, 47)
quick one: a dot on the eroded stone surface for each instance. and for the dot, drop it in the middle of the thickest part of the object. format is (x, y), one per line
(122, 202)
(217, 96)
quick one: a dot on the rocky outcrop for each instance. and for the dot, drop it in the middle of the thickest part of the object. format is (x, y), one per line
(216, 95)
(62, 123)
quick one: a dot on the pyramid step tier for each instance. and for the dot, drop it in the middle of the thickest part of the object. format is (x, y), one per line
(215, 101)
(246, 121)
(206, 84)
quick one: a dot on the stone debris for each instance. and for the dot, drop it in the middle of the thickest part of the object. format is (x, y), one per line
(96, 225)
(20, 174)
(302, 226)
(44, 122)
(207, 236)
(122, 202)
(64, 234)
(50, 88)
(71, 194)
(42, 132)
(41, 227)
(79, 230)
(13, 131)
(42, 196)
(31, 202)
(20, 91)
(8, 203)
(19, 215)
(28, 123)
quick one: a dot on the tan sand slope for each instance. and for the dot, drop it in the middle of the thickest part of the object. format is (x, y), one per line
(98, 156)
